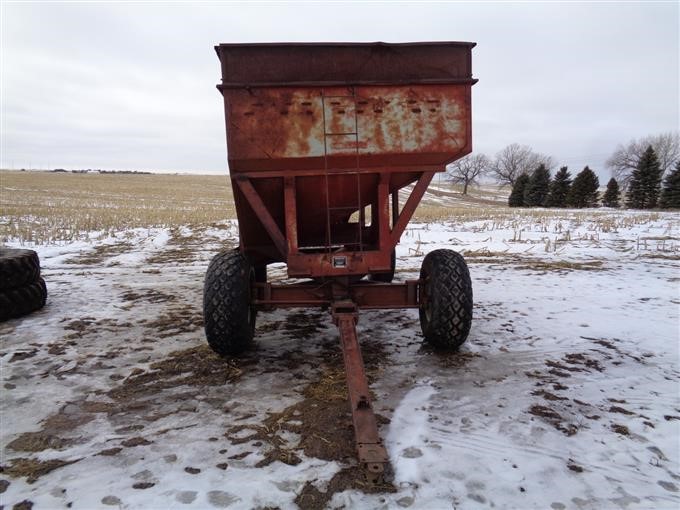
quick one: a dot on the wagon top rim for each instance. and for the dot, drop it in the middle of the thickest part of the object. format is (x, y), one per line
(466, 44)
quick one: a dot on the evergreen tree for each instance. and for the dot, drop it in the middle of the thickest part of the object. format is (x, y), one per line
(612, 195)
(645, 182)
(583, 192)
(517, 194)
(670, 194)
(538, 187)
(559, 188)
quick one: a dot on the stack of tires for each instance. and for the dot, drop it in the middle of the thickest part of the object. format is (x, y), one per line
(22, 290)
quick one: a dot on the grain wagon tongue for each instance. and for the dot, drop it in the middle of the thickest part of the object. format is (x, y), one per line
(321, 139)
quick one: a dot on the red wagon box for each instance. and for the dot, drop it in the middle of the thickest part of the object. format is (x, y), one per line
(334, 129)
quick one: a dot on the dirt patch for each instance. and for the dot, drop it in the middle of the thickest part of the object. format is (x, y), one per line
(110, 452)
(531, 264)
(147, 295)
(547, 395)
(321, 425)
(620, 429)
(91, 326)
(610, 345)
(135, 441)
(621, 410)
(197, 367)
(305, 323)
(666, 256)
(33, 469)
(38, 442)
(80, 325)
(100, 253)
(561, 367)
(552, 417)
(322, 421)
(175, 254)
(545, 412)
(563, 266)
(143, 485)
(177, 320)
(574, 467)
(454, 359)
(573, 362)
(55, 431)
(140, 396)
(180, 248)
(584, 360)
(21, 355)
(311, 498)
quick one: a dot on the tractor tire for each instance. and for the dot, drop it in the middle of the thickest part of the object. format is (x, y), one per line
(385, 277)
(18, 267)
(228, 315)
(446, 309)
(22, 300)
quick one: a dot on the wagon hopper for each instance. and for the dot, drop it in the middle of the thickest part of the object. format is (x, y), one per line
(322, 139)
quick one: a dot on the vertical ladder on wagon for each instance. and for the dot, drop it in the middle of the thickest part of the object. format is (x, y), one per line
(341, 130)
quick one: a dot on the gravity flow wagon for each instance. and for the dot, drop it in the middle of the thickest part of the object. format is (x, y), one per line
(331, 147)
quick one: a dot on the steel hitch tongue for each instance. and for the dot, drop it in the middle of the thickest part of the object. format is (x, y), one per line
(371, 452)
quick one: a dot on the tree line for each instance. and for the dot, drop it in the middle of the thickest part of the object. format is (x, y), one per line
(638, 170)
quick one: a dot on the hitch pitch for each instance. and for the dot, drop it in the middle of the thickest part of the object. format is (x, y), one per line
(370, 449)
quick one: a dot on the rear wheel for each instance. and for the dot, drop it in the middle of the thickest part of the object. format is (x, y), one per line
(446, 309)
(227, 313)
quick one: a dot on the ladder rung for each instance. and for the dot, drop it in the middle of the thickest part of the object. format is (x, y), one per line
(338, 134)
(347, 208)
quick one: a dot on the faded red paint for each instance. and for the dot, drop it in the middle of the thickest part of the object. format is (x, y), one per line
(284, 128)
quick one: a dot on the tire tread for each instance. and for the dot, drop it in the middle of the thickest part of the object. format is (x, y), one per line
(23, 300)
(18, 268)
(226, 303)
(450, 290)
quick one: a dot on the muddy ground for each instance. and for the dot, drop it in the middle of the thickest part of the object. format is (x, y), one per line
(111, 397)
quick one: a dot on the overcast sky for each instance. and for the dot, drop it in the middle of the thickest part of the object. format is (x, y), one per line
(132, 86)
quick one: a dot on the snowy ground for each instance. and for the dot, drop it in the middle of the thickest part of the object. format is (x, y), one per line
(566, 395)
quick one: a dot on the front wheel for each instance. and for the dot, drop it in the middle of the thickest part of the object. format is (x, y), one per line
(227, 313)
(446, 299)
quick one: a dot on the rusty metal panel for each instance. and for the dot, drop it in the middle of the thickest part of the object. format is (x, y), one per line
(304, 64)
(274, 124)
(415, 119)
(287, 129)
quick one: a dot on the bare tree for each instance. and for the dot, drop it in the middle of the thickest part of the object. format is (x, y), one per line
(627, 157)
(515, 160)
(467, 170)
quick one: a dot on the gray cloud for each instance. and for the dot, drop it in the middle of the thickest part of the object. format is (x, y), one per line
(133, 85)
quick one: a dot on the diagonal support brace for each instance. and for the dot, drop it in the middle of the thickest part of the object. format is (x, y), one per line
(372, 453)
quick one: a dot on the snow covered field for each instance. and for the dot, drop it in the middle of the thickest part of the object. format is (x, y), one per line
(566, 395)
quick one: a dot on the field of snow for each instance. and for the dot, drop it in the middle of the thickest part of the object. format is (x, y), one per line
(566, 394)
